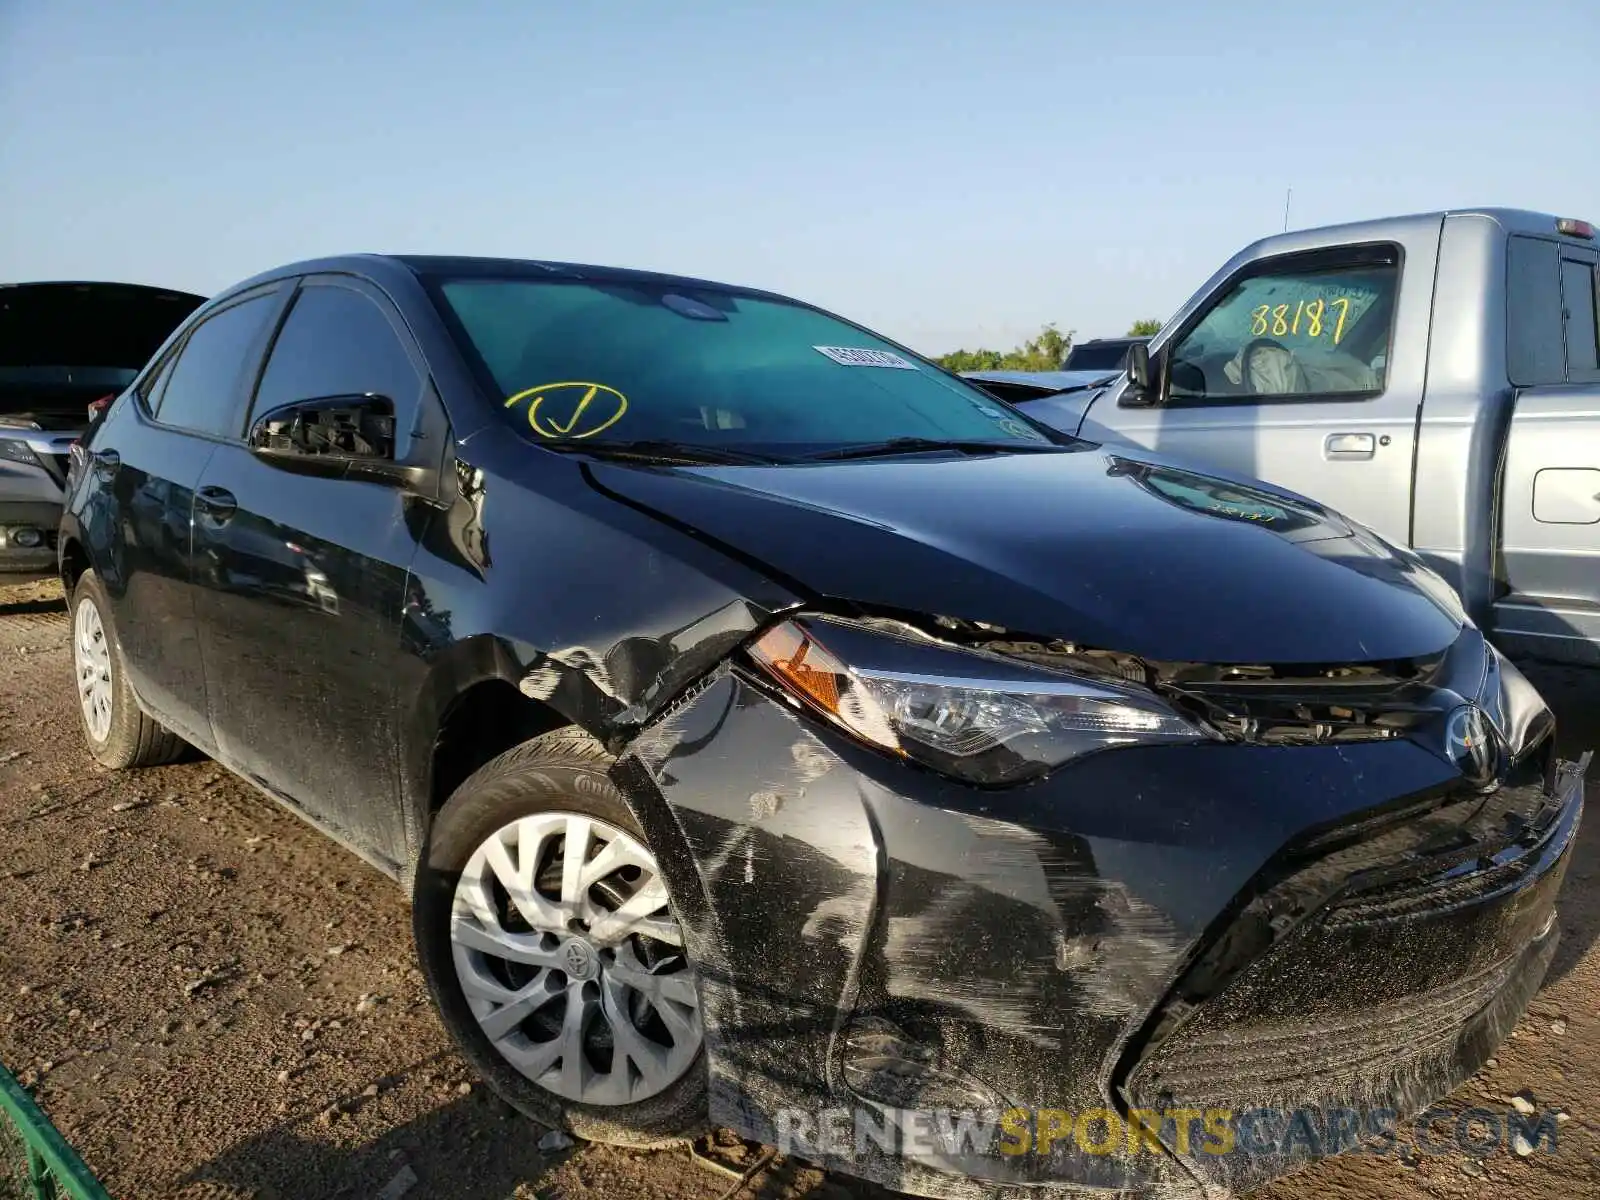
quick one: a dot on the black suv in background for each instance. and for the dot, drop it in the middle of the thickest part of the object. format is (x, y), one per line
(1101, 354)
(766, 721)
(63, 346)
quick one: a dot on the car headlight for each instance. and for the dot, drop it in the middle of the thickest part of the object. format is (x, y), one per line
(20, 452)
(976, 716)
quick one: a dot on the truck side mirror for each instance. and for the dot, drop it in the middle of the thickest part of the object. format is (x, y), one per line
(1141, 390)
(1139, 366)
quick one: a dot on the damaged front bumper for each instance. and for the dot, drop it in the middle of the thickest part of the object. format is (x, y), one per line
(1155, 929)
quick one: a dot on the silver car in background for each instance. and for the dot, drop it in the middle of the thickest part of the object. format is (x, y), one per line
(63, 346)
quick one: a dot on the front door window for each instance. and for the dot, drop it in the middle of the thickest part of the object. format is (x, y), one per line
(1315, 331)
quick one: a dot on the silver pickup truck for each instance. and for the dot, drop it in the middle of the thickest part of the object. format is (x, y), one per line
(1435, 377)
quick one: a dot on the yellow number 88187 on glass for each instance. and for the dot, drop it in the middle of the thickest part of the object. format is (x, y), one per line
(1306, 318)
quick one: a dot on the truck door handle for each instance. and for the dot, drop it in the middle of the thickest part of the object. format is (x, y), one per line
(1350, 445)
(217, 503)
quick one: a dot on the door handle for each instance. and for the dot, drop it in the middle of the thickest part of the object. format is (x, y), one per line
(107, 461)
(1350, 445)
(217, 503)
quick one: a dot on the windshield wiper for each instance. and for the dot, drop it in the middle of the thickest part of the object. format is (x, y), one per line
(658, 450)
(922, 445)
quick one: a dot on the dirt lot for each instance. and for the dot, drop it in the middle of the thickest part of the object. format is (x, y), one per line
(213, 1001)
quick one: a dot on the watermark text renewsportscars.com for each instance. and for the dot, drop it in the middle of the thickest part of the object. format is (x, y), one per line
(845, 1133)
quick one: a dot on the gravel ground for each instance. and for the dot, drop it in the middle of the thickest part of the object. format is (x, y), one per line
(213, 1001)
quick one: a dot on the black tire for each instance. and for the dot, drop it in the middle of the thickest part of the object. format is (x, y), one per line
(134, 738)
(562, 771)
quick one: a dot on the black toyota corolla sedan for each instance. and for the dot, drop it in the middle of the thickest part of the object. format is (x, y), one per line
(772, 730)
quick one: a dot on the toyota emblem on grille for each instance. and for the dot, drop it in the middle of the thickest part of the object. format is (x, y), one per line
(1473, 744)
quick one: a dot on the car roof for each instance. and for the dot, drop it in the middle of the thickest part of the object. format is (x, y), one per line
(1512, 220)
(378, 267)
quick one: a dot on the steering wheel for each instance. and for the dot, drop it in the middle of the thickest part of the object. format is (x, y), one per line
(1250, 350)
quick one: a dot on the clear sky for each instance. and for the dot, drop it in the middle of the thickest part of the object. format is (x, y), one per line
(949, 173)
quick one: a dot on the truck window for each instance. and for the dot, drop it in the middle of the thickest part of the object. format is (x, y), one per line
(1578, 313)
(1296, 328)
(1533, 312)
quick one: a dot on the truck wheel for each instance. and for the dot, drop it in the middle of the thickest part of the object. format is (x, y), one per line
(119, 733)
(545, 933)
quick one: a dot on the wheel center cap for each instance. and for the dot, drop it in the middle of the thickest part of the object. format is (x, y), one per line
(581, 961)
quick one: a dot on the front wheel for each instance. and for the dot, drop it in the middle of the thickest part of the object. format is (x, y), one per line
(545, 934)
(119, 734)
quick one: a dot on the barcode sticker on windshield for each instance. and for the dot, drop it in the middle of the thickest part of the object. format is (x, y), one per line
(852, 356)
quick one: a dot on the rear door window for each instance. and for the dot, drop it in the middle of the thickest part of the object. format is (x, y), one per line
(1552, 328)
(204, 391)
(1582, 335)
(338, 342)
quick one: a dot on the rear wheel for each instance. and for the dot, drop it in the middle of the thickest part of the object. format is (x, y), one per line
(118, 733)
(544, 930)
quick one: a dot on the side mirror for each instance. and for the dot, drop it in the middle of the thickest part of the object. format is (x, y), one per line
(337, 436)
(1141, 391)
(1139, 366)
(342, 427)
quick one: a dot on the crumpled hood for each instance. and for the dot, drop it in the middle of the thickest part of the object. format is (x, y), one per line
(1043, 380)
(1063, 409)
(1105, 549)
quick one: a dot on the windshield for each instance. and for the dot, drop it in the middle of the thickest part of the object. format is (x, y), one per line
(640, 362)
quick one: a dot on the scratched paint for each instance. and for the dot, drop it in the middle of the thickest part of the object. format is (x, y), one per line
(909, 938)
(1025, 958)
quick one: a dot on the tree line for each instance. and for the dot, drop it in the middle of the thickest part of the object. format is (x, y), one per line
(1045, 352)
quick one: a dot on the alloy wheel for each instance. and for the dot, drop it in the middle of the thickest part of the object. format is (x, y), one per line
(91, 656)
(571, 962)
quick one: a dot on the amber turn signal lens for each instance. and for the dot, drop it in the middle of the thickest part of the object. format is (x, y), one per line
(805, 666)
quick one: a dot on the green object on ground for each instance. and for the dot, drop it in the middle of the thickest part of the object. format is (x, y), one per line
(35, 1161)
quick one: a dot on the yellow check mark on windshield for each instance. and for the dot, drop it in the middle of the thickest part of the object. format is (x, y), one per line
(597, 409)
(576, 413)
